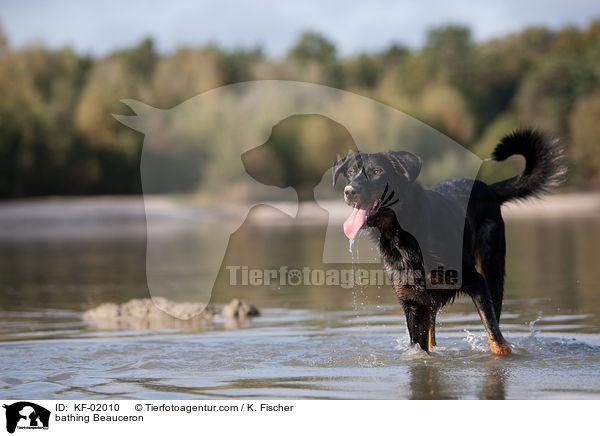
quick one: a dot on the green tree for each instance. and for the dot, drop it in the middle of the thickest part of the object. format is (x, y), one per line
(364, 71)
(236, 66)
(316, 57)
(585, 134)
(312, 46)
(450, 51)
(185, 74)
(3, 41)
(444, 108)
(548, 93)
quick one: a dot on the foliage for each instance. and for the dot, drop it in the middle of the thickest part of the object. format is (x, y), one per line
(57, 135)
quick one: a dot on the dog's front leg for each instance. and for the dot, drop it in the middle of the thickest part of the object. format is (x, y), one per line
(418, 321)
(431, 335)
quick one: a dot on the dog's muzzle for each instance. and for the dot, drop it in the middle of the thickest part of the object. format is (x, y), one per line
(352, 194)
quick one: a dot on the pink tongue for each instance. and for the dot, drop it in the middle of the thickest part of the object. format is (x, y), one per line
(353, 224)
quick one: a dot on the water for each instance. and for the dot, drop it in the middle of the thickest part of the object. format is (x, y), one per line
(310, 342)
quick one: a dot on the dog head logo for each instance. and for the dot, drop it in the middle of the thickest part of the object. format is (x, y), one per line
(248, 121)
(26, 415)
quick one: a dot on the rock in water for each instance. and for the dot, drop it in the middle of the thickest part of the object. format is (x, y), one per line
(239, 309)
(162, 313)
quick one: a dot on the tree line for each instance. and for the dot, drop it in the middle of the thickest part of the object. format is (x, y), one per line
(58, 137)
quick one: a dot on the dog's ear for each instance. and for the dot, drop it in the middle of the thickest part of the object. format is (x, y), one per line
(406, 164)
(339, 166)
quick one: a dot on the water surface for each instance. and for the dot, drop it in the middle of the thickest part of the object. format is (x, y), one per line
(310, 342)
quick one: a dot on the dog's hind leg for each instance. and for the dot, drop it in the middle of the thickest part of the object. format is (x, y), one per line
(491, 254)
(494, 277)
(475, 286)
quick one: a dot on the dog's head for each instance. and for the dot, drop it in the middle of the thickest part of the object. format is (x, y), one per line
(375, 182)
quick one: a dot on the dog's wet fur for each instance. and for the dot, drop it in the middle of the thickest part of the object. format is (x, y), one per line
(384, 184)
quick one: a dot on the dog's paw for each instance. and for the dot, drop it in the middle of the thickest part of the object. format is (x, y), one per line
(500, 348)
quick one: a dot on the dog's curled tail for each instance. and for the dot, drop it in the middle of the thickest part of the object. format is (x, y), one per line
(545, 167)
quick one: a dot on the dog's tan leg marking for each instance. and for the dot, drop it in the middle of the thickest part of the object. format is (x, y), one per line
(477, 259)
(499, 348)
(431, 336)
(431, 331)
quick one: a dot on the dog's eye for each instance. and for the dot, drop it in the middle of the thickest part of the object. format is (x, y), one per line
(378, 171)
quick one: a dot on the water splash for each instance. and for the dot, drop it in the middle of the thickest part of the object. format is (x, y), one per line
(358, 292)
(532, 329)
(410, 351)
(533, 333)
(354, 296)
(477, 342)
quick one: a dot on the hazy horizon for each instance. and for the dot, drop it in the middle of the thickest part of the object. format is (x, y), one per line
(98, 28)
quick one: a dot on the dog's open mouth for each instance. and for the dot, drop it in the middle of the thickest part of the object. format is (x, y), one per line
(359, 215)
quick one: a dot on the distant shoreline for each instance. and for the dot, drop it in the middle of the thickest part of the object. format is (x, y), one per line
(573, 205)
(105, 214)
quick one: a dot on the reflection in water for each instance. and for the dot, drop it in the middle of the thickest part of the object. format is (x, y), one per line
(493, 389)
(425, 383)
(430, 382)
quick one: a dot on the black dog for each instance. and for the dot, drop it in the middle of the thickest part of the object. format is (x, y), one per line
(414, 227)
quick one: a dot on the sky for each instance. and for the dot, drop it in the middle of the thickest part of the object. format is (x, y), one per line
(98, 27)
